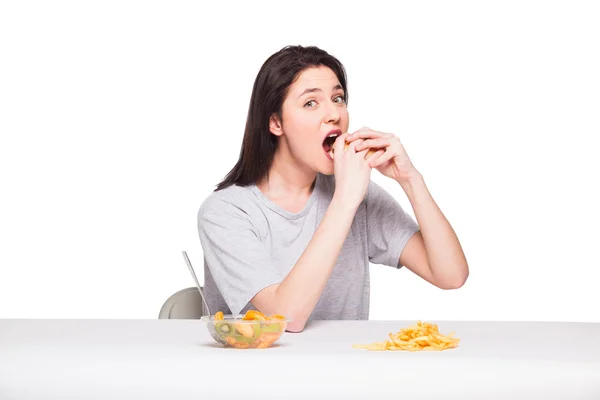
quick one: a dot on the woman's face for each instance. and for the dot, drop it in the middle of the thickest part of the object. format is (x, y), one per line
(313, 108)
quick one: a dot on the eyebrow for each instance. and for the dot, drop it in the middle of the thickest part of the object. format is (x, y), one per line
(312, 90)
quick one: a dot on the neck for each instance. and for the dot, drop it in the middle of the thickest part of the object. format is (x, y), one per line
(286, 177)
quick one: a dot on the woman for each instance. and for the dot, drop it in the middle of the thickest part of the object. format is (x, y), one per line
(292, 228)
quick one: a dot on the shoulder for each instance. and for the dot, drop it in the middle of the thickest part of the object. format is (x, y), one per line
(231, 202)
(224, 198)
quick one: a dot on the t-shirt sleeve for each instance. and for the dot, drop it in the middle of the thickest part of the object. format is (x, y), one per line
(389, 227)
(238, 261)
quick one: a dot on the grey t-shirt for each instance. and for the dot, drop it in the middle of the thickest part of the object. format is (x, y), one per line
(250, 243)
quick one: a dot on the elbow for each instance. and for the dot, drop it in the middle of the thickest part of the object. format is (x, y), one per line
(451, 285)
(295, 327)
(296, 316)
(456, 282)
(296, 324)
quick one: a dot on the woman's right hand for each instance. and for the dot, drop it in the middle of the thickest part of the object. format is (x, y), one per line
(351, 170)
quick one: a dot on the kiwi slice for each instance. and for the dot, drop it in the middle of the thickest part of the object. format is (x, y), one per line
(242, 339)
(274, 327)
(223, 327)
(257, 331)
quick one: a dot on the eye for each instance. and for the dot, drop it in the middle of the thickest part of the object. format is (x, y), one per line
(341, 99)
(307, 103)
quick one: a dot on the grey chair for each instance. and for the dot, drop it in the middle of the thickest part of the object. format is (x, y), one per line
(184, 304)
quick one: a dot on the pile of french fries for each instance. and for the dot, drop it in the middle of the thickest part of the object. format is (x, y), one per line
(422, 336)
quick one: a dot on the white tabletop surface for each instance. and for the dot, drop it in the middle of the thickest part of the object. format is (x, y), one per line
(177, 359)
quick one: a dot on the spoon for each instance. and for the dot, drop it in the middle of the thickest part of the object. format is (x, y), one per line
(189, 265)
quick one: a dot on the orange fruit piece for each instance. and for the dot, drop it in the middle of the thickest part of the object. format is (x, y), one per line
(219, 316)
(253, 314)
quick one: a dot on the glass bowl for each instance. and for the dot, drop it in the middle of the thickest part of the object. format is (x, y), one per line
(234, 331)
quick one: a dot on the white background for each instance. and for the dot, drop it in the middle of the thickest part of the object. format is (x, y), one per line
(118, 118)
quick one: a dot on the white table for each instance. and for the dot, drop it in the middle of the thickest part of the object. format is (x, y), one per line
(177, 359)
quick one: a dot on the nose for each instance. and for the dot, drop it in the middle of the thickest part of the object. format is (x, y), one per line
(332, 114)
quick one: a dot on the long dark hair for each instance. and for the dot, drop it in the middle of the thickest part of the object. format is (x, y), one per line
(270, 89)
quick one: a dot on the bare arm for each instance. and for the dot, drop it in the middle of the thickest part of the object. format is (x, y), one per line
(297, 295)
(435, 253)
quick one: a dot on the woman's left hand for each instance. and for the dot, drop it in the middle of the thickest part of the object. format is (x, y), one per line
(391, 158)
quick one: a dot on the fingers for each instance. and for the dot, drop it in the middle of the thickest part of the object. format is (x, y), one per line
(373, 157)
(338, 145)
(374, 143)
(354, 144)
(385, 157)
(365, 133)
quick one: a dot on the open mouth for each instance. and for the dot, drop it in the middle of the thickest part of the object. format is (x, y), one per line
(329, 141)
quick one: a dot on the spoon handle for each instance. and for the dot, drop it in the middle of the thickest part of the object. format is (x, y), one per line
(189, 265)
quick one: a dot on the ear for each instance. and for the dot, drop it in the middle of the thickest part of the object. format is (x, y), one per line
(275, 125)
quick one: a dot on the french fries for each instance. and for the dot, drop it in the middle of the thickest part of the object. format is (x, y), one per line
(422, 336)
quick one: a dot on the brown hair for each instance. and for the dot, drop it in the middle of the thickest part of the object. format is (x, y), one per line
(270, 89)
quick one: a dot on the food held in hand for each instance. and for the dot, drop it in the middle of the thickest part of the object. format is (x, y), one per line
(330, 140)
(369, 153)
(422, 336)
